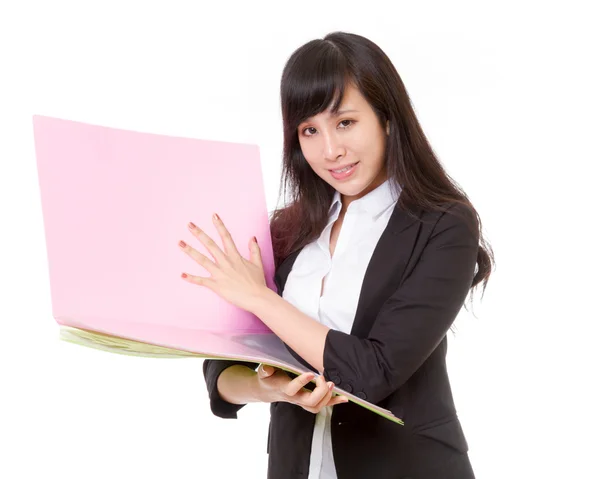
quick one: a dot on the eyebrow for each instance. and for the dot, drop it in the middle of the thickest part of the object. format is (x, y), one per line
(343, 112)
(339, 113)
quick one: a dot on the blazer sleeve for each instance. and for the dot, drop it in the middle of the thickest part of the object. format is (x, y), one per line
(415, 319)
(212, 369)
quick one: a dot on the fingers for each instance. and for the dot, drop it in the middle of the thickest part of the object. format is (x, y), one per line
(229, 249)
(321, 392)
(201, 259)
(310, 400)
(296, 384)
(255, 256)
(314, 401)
(323, 402)
(200, 280)
(264, 371)
(228, 244)
(337, 400)
(208, 242)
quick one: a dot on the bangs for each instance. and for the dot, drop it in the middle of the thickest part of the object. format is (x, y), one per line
(314, 78)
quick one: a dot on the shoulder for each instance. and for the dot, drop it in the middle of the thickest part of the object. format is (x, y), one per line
(458, 212)
(456, 220)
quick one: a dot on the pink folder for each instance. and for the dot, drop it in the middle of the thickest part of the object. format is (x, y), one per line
(115, 204)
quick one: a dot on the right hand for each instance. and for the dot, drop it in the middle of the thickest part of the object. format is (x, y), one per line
(278, 386)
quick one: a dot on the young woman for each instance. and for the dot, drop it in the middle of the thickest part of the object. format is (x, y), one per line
(375, 255)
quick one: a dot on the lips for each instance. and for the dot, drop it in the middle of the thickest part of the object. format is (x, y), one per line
(344, 174)
(342, 167)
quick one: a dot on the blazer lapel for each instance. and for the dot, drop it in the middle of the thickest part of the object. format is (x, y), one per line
(385, 269)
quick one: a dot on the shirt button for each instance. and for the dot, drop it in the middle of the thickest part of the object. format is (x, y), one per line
(361, 395)
(336, 380)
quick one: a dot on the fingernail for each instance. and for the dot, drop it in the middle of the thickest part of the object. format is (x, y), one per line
(330, 385)
(216, 217)
(182, 244)
(254, 239)
(191, 225)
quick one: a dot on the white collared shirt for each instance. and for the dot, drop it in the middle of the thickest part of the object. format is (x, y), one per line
(363, 224)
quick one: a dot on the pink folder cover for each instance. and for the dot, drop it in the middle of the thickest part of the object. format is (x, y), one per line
(115, 204)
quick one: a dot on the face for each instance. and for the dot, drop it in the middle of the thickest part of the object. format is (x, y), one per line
(351, 138)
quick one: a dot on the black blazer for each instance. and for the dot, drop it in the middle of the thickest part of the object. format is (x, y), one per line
(414, 287)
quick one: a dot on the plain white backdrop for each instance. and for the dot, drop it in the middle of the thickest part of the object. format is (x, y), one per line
(507, 93)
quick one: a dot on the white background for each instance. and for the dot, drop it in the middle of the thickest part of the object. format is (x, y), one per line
(507, 93)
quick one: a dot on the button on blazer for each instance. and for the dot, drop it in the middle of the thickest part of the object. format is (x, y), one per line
(395, 356)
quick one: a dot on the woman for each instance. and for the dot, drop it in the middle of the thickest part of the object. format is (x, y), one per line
(375, 255)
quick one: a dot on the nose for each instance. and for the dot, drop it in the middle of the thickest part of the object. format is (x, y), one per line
(333, 148)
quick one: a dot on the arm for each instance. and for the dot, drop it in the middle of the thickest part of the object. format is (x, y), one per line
(234, 384)
(233, 379)
(303, 334)
(409, 326)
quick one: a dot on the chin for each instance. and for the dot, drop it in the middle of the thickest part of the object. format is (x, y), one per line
(351, 190)
(355, 188)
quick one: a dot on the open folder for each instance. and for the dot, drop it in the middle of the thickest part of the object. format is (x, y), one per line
(115, 204)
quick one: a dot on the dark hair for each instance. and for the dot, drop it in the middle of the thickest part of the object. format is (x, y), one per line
(315, 76)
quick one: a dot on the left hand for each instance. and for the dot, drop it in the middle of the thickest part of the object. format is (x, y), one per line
(234, 278)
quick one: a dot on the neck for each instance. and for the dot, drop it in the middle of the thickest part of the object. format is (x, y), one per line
(376, 183)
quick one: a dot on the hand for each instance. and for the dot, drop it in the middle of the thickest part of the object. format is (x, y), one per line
(278, 386)
(234, 278)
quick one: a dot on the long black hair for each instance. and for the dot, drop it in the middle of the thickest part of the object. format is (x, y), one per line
(315, 77)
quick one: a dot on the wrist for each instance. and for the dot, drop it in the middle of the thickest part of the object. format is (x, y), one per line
(262, 393)
(262, 300)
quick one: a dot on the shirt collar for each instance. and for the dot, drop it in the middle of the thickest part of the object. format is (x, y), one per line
(373, 203)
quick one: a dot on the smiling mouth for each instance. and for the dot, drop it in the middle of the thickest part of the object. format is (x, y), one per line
(344, 169)
(342, 174)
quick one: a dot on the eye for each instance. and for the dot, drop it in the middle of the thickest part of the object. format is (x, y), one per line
(344, 124)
